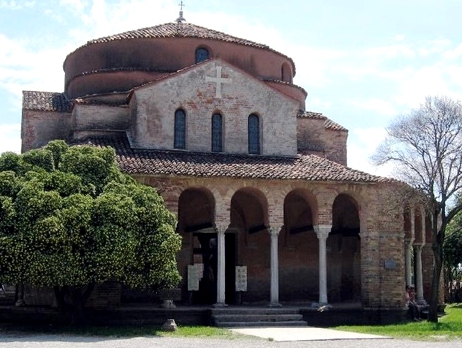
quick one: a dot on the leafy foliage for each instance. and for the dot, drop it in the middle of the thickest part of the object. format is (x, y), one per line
(453, 243)
(453, 259)
(69, 219)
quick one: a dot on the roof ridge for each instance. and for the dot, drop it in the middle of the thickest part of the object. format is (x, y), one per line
(149, 32)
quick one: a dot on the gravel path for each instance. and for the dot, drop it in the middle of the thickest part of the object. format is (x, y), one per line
(71, 341)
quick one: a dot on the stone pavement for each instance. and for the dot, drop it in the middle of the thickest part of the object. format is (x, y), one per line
(22, 340)
(291, 334)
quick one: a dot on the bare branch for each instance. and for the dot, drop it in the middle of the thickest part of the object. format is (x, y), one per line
(425, 145)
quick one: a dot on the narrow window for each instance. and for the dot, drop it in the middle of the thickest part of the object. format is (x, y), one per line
(217, 133)
(201, 54)
(180, 130)
(286, 75)
(254, 134)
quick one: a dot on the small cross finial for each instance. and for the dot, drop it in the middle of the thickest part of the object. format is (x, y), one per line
(181, 18)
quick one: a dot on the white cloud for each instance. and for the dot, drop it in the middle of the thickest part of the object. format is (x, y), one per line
(11, 139)
(23, 68)
(428, 80)
(379, 106)
(362, 144)
(74, 5)
(16, 5)
(454, 53)
(382, 53)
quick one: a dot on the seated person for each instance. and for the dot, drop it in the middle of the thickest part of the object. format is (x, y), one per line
(411, 304)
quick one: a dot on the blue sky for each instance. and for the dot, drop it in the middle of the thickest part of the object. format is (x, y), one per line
(362, 62)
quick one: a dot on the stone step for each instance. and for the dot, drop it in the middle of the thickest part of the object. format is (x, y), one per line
(253, 317)
(257, 317)
(262, 324)
(251, 310)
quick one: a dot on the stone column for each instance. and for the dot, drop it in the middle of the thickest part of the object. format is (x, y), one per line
(408, 261)
(274, 232)
(322, 231)
(418, 275)
(221, 276)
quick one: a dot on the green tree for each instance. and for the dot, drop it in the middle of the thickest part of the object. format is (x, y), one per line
(453, 257)
(425, 147)
(70, 219)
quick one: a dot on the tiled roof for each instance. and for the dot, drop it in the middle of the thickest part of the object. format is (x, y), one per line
(328, 123)
(45, 101)
(280, 82)
(183, 163)
(177, 30)
(312, 114)
(182, 30)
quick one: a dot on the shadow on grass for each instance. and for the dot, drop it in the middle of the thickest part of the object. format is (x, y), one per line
(117, 331)
(83, 330)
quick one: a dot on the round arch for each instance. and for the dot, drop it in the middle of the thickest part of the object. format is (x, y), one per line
(298, 248)
(249, 222)
(286, 73)
(344, 245)
(300, 211)
(249, 210)
(196, 210)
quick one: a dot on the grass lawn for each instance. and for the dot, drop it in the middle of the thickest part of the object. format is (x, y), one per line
(121, 331)
(449, 327)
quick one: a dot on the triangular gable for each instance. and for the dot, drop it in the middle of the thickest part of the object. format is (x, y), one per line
(203, 89)
(217, 64)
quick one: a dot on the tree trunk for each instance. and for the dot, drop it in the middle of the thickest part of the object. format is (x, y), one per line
(436, 277)
(71, 301)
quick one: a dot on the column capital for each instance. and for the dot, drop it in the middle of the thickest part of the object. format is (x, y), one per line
(322, 231)
(275, 229)
(221, 227)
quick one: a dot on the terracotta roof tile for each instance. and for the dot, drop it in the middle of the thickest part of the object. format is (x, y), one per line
(45, 101)
(329, 124)
(312, 114)
(183, 163)
(175, 30)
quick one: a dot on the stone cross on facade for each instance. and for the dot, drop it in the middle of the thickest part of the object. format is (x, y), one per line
(219, 81)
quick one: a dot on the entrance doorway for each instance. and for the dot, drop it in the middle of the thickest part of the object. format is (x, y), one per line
(206, 252)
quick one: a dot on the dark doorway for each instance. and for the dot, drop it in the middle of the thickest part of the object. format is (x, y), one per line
(230, 268)
(207, 250)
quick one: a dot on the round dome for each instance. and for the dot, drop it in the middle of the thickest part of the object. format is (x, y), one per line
(118, 63)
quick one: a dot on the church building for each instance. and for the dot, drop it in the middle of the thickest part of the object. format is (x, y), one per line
(268, 210)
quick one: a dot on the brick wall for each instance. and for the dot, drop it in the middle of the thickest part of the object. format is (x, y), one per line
(155, 106)
(380, 259)
(40, 127)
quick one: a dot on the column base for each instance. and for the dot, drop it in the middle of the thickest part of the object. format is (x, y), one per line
(220, 305)
(274, 305)
(422, 302)
(321, 306)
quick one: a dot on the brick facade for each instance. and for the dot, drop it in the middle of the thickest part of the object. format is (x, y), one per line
(297, 188)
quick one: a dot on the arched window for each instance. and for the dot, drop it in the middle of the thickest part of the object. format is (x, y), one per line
(217, 133)
(254, 134)
(286, 74)
(180, 130)
(202, 54)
